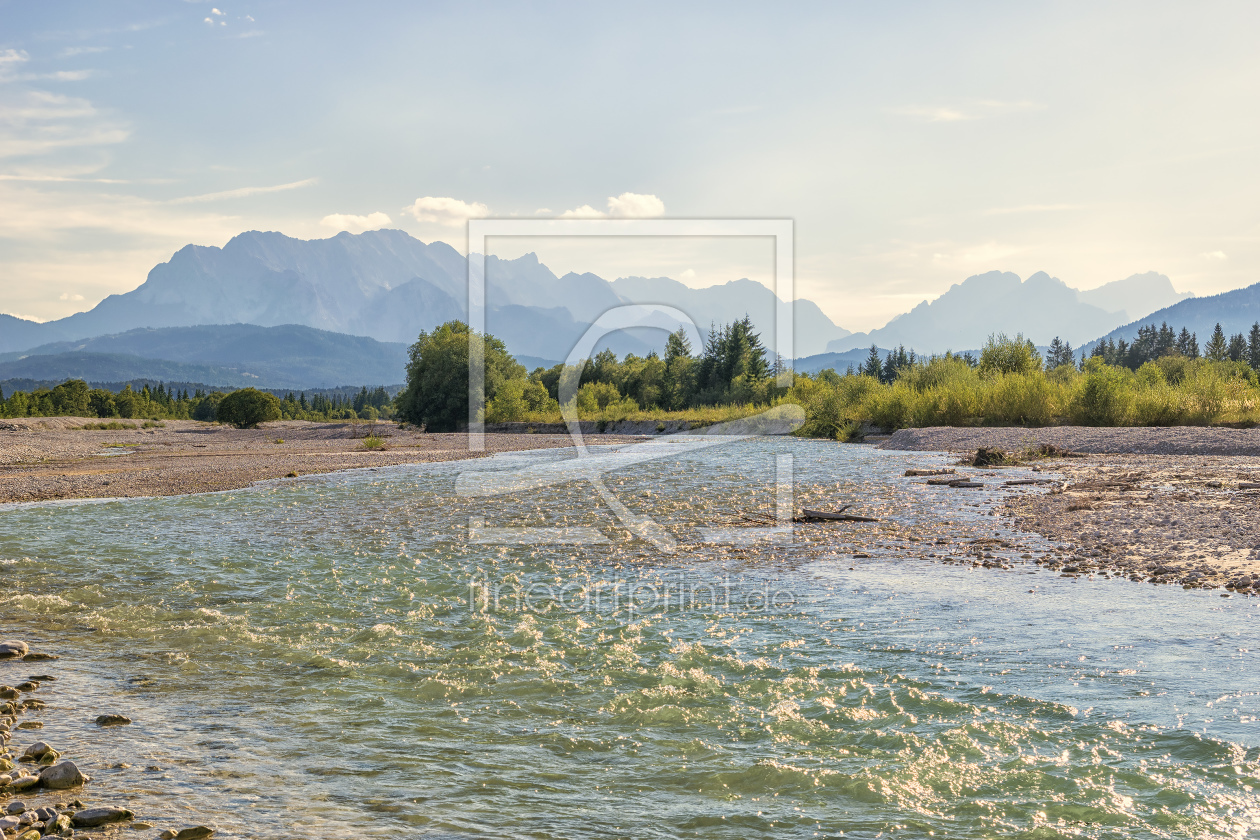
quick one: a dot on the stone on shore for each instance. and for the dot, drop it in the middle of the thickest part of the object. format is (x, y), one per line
(12, 648)
(61, 776)
(112, 720)
(100, 816)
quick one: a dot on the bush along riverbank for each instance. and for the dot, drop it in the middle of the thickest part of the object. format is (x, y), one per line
(42, 790)
(1010, 384)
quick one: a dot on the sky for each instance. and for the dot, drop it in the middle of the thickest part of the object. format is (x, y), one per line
(913, 144)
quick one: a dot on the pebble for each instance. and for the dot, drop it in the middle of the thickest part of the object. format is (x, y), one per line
(15, 807)
(112, 720)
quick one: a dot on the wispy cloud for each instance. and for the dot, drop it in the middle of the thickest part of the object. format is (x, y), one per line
(1031, 208)
(34, 122)
(975, 110)
(59, 179)
(242, 192)
(70, 52)
(1214, 255)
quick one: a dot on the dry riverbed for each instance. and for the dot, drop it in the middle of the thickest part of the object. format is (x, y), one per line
(1179, 505)
(50, 458)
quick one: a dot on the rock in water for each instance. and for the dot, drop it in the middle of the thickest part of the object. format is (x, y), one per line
(112, 720)
(37, 750)
(99, 816)
(61, 776)
(197, 832)
(13, 648)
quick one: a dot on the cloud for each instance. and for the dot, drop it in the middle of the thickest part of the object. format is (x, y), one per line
(70, 52)
(976, 110)
(445, 210)
(586, 211)
(1214, 255)
(241, 192)
(689, 274)
(933, 114)
(57, 76)
(355, 224)
(628, 205)
(68, 296)
(25, 317)
(1031, 208)
(35, 122)
(12, 57)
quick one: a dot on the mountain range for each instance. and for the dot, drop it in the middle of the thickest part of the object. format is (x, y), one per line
(236, 355)
(1235, 311)
(290, 313)
(389, 286)
(1040, 307)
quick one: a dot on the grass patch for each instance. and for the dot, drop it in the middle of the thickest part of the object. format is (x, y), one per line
(153, 424)
(278, 440)
(373, 442)
(112, 426)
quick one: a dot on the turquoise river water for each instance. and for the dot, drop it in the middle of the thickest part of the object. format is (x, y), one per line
(334, 657)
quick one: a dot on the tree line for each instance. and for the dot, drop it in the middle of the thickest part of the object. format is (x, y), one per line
(76, 398)
(1150, 344)
(732, 368)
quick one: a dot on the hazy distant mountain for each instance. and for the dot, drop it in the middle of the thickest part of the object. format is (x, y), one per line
(1135, 296)
(387, 285)
(1235, 311)
(813, 330)
(1040, 307)
(237, 354)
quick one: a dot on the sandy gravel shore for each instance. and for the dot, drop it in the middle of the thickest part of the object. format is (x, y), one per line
(1172, 505)
(51, 458)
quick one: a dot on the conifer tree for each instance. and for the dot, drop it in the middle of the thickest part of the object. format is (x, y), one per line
(1217, 350)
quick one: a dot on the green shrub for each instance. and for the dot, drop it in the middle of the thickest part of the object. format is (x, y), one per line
(373, 442)
(207, 407)
(1024, 398)
(248, 407)
(891, 408)
(1009, 355)
(1158, 405)
(1105, 398)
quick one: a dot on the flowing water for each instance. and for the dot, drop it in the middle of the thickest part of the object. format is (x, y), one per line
(333, 657)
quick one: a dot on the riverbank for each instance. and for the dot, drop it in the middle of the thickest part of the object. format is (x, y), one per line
(1166, 505)
(41, 784)
(49, 458)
